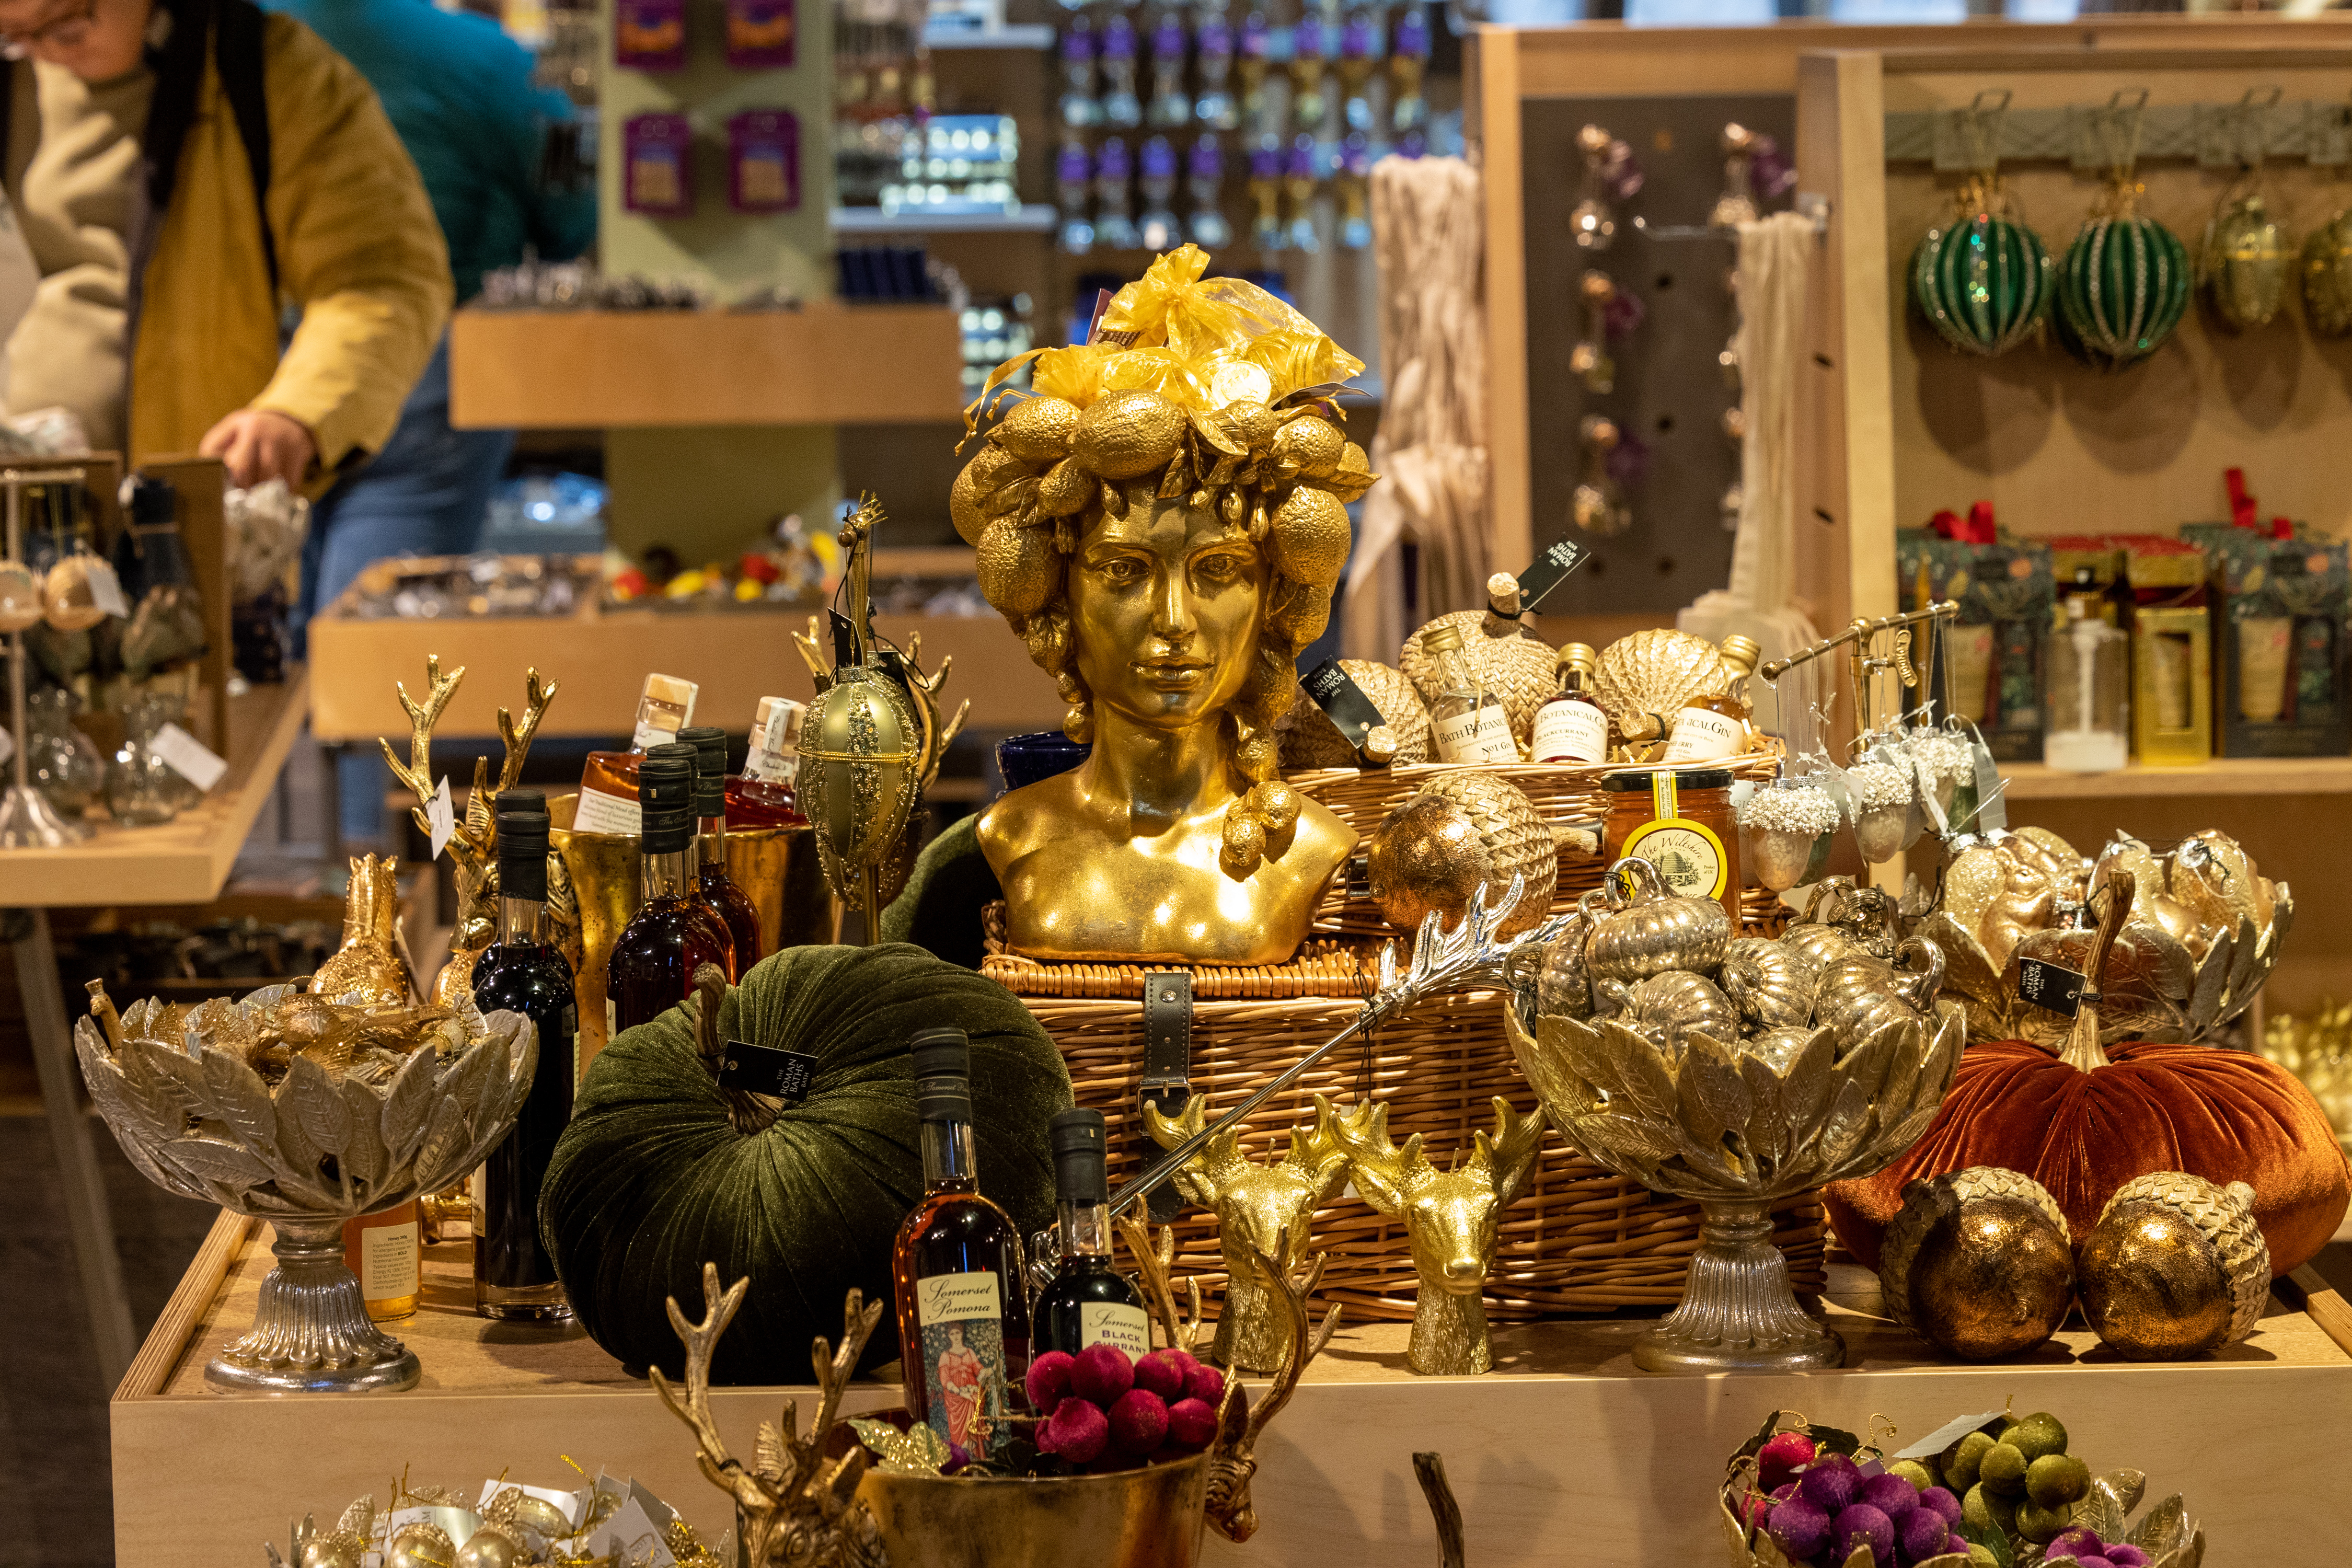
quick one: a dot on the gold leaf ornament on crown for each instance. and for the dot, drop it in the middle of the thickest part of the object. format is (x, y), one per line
(1192, 436)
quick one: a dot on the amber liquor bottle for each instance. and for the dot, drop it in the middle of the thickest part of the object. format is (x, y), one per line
(762, 795)
(1709, 729)
(1088, 1301)
(1571, 727)
(963, 1308)
(673, 932)
(729, 901)
(608, 784)
(524, 971)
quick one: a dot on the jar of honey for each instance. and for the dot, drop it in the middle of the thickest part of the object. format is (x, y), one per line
(1680, 821)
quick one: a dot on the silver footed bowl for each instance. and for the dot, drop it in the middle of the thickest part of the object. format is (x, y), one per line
(319, 1148)
(1739, 1129)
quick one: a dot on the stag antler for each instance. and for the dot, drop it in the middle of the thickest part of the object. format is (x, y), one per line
(481, 802)
(1508, 1158)
(1234, 1459)
(418, 774)
(789, 1494)
(1177, 1331)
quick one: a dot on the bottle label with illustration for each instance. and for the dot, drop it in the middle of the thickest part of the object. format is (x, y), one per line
(1482, 736)
(1115, 1325)
(388, 1270)
(601, 813)
(1688, 854)
(962, 1319)
(1703, 735)
(1570, 733)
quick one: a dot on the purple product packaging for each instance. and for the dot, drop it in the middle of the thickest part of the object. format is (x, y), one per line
(649, 35)
(763, 161)
(656, 168)
(760, 34)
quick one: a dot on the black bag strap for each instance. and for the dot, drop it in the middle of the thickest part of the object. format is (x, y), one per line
(235, 27)
(239, 52)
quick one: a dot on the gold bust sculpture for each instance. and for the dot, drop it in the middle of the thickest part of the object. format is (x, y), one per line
(1163, 523)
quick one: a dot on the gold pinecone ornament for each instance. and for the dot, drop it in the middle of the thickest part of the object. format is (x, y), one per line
(2176, 1268)
(1978, 1263)
(1312, 741)
(1460, 832)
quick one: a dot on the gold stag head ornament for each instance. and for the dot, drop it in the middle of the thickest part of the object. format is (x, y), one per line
(1163, 524)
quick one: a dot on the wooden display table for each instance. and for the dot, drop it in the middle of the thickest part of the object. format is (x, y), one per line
(1564, 1455)
(184, 862)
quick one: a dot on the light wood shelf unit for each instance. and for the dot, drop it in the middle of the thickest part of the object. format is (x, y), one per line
(1637, 1487)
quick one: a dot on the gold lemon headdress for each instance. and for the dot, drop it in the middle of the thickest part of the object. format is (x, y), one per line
(1208, 389)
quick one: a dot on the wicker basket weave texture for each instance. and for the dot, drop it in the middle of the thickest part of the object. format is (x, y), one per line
(1580, 1239)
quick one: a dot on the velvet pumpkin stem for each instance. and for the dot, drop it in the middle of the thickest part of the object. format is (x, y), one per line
(2083, 1049)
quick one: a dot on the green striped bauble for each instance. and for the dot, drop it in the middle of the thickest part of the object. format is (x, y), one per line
(2122, 289)
(1984, 282)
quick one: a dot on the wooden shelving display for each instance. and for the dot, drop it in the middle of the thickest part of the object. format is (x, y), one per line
(2221, 776)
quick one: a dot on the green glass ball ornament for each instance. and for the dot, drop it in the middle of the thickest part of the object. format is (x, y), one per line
(2327, 276)
(2247, 259)
(1983, 280)
(2122, 289)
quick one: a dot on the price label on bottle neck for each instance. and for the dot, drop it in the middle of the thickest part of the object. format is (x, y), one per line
(1342, 701)
(1549, 570)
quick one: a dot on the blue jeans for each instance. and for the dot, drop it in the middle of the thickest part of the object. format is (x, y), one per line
(426, 493)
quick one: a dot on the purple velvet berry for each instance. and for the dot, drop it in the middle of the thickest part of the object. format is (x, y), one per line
(1830, 1483)
(1890, 1495)
(2094, 1562)
(1943, 1503)
(1781, 1458)
(1860, 1524)
(1191, 1424)
(1077, 1430)
(2079, 1542)
(1049, 1380)
(1783, 1493)
(1103, 1372)
(2127, 1556)
(1800, 1530)
(1923, 1533)
(1138, 1422)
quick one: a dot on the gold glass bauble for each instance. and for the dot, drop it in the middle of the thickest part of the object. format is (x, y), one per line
(2176, 1268)
(20, 598)
(1462, 832)
(490, 1547)
(69, 601)
(335, 1550)
(1978, 1263)
(861, 756)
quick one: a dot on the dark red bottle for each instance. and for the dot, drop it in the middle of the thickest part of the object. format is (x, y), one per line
(673, 932)
(720, 891)
(762, 794)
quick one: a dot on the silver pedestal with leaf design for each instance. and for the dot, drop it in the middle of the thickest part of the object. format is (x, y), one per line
(316, 1152)
(1738, 1133)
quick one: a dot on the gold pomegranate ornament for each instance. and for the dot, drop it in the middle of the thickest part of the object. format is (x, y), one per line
(1312, 741)
(2176, 1268)
(1978, 1263)
(1461, 832)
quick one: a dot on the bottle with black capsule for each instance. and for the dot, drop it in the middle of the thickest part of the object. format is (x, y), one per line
(1088, 1301)
(720, 891)
(674, 931)
(524, 971)
(962, 1300)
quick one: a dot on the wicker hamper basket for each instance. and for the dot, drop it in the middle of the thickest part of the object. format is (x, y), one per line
(1581, 1238)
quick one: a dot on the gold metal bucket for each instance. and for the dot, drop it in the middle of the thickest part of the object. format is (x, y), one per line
(1147, 1518)
(777, 867)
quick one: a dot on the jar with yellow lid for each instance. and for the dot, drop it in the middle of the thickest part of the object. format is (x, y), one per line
(1678, 819)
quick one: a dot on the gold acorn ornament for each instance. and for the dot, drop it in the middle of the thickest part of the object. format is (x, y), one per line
(420, 1545)
(1780, 828)
(1507, 658)
(1978, 1263)
(1458, 833)
(1642, 681)
(1310, 740)
(2176, 1268)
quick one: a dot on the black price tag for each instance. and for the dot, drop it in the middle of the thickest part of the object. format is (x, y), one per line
(1343, 700)
(1548, 571)
(845, 639)
(2050, 986)
(764, 1069)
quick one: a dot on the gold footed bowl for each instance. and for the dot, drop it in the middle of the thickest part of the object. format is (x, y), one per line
(1739, 1130)
(1151, 1517)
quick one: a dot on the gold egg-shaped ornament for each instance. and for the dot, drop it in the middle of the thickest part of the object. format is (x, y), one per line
(20, 598)
(1313, 741)
(968, 497)
(1461, 832)
(1019, 570)
(1309, 536)
(2328, 277)
(68, 598)
(492, 1547)
(1124, 435)
(861, 756)
(1506, 659)
(1978, 1263)
(2175, 1268)
(2248, 259)
(1038, 430)
(420, 1545)
(1643, 680)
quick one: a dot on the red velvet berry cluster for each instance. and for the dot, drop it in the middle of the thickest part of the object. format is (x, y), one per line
(1104, 1408)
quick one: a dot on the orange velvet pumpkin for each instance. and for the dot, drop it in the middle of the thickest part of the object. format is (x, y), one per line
(2084, 1130)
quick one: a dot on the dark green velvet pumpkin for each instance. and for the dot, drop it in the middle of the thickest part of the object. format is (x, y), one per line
(651, 1180)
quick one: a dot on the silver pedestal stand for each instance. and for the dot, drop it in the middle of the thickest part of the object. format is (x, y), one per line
(27, 821)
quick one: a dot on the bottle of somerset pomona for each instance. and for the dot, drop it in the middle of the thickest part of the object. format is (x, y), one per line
(729, 901)
(1088, 1301)
(673, 932)
(963, 1309)
(524, 971)
(608, 784)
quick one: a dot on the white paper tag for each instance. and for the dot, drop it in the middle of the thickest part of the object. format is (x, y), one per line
(631, 1536)
(189, 757)
(441, 817)
(105, 589)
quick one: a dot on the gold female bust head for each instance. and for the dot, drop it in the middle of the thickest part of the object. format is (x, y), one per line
(1163, 524)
